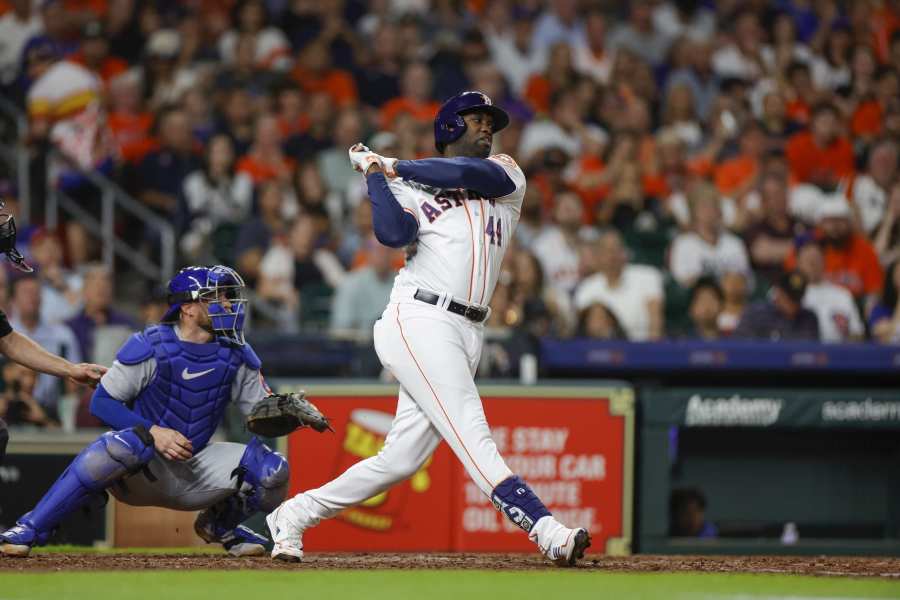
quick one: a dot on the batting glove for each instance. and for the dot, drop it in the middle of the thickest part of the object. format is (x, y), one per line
(362, 158)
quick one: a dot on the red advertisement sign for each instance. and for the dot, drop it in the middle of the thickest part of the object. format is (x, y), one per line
(571, 450)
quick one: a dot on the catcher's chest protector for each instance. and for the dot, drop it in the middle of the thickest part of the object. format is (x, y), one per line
(191, 387)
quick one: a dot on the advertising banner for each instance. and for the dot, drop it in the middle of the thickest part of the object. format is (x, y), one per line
(766, 407)
(574, 446)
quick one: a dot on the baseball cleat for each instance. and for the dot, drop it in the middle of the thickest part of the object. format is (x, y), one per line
(567, 545)
(240, 541)
(17, 541)
(286, 535)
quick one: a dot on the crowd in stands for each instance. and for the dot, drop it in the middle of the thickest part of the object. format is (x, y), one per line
(696, 169)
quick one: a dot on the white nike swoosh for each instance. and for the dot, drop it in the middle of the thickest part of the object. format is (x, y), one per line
(188, 376)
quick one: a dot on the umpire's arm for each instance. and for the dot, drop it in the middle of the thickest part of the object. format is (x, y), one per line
(25, 351)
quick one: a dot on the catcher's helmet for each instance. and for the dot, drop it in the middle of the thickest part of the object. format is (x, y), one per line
(449, 124)
(211, 285)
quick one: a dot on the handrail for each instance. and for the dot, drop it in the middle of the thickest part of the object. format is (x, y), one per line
(112, 197)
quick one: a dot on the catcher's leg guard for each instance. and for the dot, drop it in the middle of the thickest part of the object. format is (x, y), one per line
(4, 438)
(262, 486)
(267, 473)
(109, 458)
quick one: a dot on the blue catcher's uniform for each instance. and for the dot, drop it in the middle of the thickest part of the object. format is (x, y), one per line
(191, 387)
(160, 379)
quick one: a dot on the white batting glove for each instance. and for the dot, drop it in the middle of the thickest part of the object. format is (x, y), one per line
(362, 158)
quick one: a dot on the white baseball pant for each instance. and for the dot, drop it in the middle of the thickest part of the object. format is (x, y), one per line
(433, 354)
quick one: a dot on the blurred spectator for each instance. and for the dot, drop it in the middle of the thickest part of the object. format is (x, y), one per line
(835, 309)
(868, 118)
(242, 70)
(737, 176)
(415, 97)
(687, 515)
(592, 58)
(736, 295)
(299, 271)
(236, 120)
(378, 78)
(162, 172)
(361, 297)
(884, 321)
(698, 76)
(850, 259)
(776, 123)
(887, 237)
(831, 68)
(129, 123)
(771, 239)
(507, 32)
(557, 77)
(684, 18)
(217, 200)
(561, 130)
(708, 248)
(94, 53)
(704, 310)
(317, 136)
(870, 189)
(18, 405)
(272, 50)
(165, 80)
(17, 26)
(560, 22)
(60, 288)
(597, 321)
(55, 338)
(315, 73)
(742, 57)
(154, 305)
(639, 35)
(556, 247)
(782, 317)
(266, 160)
(634, 293)
(336, 171)
(276, 211)
(98, 308)
(821, 156)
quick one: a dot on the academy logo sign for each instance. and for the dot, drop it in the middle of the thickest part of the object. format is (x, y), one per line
(733, 410)
(867, 410)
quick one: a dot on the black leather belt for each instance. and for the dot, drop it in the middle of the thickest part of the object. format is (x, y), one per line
(472, 313)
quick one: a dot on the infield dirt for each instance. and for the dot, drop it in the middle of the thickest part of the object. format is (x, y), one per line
(822, 566)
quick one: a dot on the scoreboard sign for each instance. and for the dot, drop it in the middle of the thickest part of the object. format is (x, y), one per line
(573, 445)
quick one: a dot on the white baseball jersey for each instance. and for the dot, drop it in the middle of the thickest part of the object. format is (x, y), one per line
(462, 236)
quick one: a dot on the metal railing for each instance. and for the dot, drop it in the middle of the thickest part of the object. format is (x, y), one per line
(113, 199)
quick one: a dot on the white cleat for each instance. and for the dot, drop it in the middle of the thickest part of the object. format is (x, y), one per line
(564, 546)
(286, 535)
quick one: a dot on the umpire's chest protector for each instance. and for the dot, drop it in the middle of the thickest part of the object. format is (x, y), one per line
(192, 383)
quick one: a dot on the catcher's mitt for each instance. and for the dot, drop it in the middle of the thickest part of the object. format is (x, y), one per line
(279, 414)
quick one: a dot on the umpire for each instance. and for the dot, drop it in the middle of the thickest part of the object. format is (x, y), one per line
(21, 349)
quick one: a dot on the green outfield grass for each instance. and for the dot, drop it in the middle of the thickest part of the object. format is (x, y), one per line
(431, 585)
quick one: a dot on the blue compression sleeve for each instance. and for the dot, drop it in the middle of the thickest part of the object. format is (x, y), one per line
(393, 226)
(115, 413)
(479, 174)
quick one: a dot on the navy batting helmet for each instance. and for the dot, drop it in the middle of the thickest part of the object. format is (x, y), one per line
(449, 124)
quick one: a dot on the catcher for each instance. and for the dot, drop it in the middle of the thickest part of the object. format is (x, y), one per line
(164, 397)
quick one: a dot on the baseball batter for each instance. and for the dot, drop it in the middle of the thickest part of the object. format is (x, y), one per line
(461, 210)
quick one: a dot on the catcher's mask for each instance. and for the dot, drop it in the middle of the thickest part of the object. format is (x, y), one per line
(223, 291)
(8, 241)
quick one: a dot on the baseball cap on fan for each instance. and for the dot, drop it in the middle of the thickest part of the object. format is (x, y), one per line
(164, 43)
(793, 284)
(833, 206)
